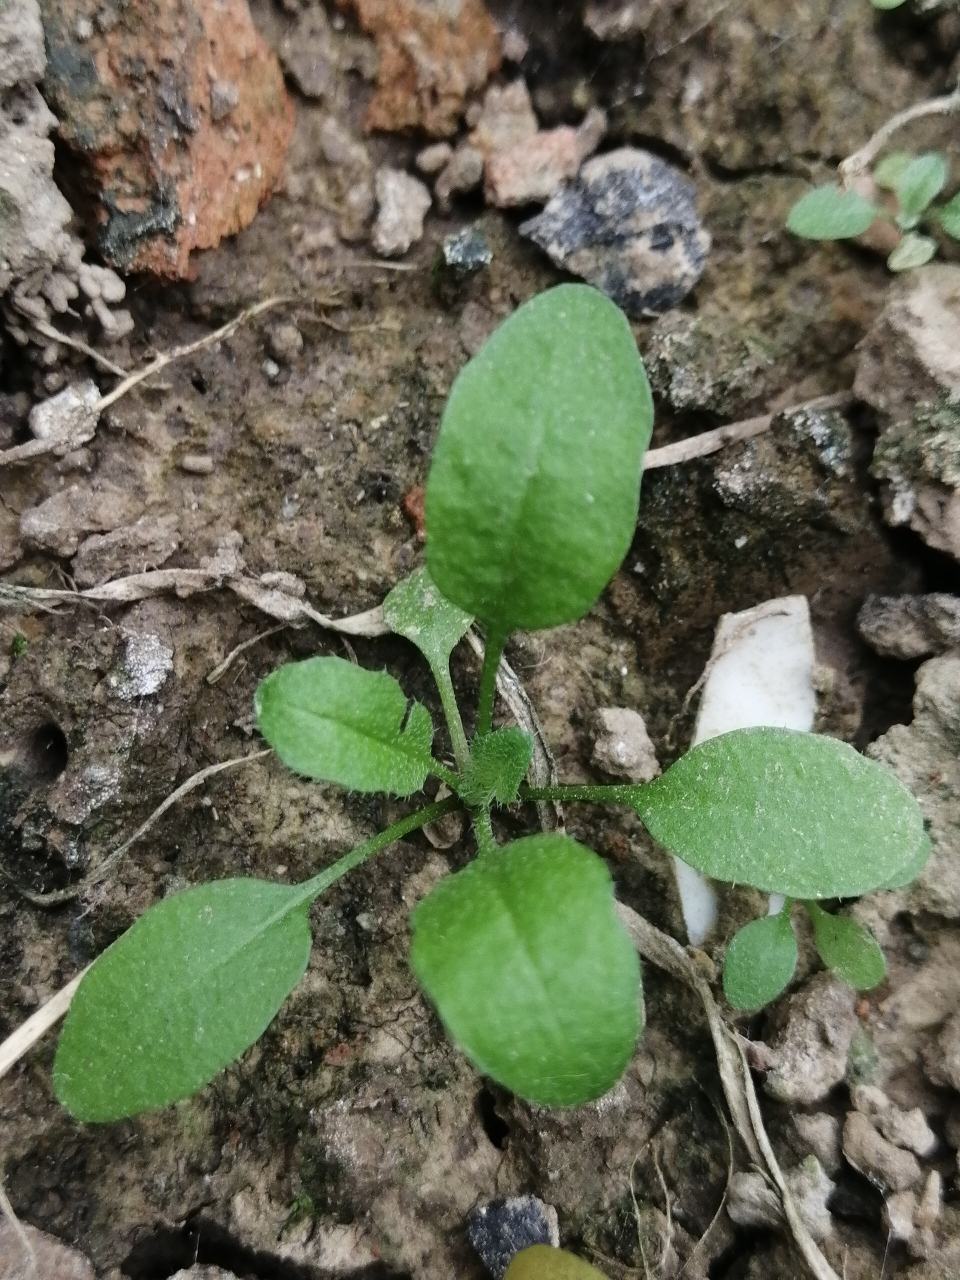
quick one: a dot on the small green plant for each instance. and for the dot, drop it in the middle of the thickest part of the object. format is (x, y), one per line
(832, 213)
(531, 505)
(18, 645)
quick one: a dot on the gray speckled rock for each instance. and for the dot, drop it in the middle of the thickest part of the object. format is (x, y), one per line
(910, 626)
(502, 1228)
(629, 226)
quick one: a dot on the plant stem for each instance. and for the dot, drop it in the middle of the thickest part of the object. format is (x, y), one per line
(486, 842)
(862, 159)
(626, 794)
(444, 774)
(314, 887)
(492, 652)
(451, 711)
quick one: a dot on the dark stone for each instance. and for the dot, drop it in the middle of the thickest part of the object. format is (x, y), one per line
(501, 1228)
(629, 226)
(466, 253)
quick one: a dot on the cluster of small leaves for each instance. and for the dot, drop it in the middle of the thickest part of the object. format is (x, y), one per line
(531, 505)
(832, 213)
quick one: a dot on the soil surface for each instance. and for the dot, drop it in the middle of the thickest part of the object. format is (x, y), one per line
(354, 1139)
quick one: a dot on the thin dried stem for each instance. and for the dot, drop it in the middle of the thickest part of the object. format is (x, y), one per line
(102, 869)
(711, 441)
(862, 159)
(37, 1026)
(66, 340)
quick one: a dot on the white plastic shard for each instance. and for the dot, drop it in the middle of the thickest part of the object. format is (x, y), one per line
(760, 672)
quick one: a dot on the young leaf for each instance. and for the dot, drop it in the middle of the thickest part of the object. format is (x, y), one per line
(887, 4)
(416, 610)
(912, 251)
(498, 764)
(921, 181)
(891, 169)
(532, 496)
(760, 961)
(787, 812)
(948, 216)
(542, 1262)
(847, 948)
(327, 718)
(910, 870)
(181, 994)
(827, 213)
(531, 970)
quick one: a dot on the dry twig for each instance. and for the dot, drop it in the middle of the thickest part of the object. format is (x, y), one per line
(862, 159)
(711, 441)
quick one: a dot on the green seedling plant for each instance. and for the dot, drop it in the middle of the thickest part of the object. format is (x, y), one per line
(531, 505)
(914, 182)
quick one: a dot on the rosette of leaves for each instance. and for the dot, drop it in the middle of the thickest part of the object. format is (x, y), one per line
(833, 213)
(531, 505)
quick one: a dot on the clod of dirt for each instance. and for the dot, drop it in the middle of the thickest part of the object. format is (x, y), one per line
(925, 756)
(899, 1211)
(462, 173)
(887, 1166)
(402, 204)
(431, 58)
(506, 119)
(71, 416)
(812, 1033)
(821, 1133)
(943, 1064)
(432, 159)
(629, 226)
(313, 56)
(754, 1203)
(59, 524)
(133, 97)
(202, 1272)
(906, 1129)
(909, 372)
(284, 342)
(709, 362)
(616, 20)
(622, 747)
(40, 256)
(52, 1260)
(146, 544)
(910, 626)
(501, 1228)
(533, 170)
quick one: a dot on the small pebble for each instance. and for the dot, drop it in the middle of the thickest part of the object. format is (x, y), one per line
(433, 158)
(402, 204)
(501, 1228)
(466, 253)
(622, 747)
(271, 370)
(462, 174)
(887, 1166)
(284, 342)
(197, 464)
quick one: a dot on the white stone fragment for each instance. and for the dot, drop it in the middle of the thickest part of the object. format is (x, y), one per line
(760, 672)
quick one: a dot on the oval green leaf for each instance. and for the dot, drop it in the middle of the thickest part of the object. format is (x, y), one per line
(827, 213)
(847, 948)
(416, 610)
(532, 972)
(533, 492)
(949, 217)
(187, 989)
(921, 181)
(760, 961)
(498, 764)
(541, 1262)
(892, 168)
(328, 718)
(787, 812)
(912, 251)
